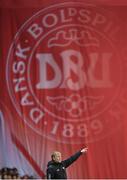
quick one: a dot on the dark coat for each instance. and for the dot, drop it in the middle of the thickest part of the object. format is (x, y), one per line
(57, 170)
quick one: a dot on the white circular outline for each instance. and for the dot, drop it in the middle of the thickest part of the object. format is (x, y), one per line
(13, 43)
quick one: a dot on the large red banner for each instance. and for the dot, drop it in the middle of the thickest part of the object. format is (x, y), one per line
(63, 85)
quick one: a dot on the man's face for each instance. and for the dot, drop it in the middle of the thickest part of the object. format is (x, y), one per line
(57, 157)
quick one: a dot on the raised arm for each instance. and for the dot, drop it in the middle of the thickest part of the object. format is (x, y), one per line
(74, 157)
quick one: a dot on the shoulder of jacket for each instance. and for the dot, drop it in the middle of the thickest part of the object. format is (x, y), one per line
(51, 166)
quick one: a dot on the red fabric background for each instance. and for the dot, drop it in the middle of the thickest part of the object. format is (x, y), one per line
(106, 157)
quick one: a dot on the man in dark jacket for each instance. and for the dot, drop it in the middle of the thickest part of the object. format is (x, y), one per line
(56, 168)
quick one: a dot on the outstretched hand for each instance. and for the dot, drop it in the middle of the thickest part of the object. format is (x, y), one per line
(84, 150)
